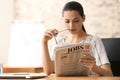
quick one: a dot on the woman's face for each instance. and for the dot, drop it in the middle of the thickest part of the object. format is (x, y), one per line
(73, 21)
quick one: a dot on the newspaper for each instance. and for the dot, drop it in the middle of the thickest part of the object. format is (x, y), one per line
(67, 59)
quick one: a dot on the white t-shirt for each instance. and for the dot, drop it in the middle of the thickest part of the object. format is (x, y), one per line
(98, 50)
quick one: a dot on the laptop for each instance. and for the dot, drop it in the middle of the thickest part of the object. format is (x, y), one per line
(22, 75)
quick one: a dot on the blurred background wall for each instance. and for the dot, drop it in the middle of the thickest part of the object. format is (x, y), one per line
(6, 17)
(102, 17)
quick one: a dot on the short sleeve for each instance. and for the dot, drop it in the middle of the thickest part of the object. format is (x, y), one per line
(99, 52)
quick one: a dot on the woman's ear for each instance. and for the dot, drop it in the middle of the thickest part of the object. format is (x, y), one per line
(83, 18)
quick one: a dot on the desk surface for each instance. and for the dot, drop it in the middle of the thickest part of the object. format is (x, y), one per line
(53, 77)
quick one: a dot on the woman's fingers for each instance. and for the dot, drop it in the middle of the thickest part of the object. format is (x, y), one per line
(87, 56)
(48, 34)
(52, 32)
(87, 60)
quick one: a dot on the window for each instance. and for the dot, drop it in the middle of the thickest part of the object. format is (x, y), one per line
(25, 45)
(25, 37)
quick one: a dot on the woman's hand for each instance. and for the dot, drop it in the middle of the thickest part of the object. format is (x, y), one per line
(49, 34)
(88, 61)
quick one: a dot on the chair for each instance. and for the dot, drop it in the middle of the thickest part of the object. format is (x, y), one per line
(112, 46)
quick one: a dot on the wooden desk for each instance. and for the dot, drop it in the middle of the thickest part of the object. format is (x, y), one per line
(53, 77)
(22, 69)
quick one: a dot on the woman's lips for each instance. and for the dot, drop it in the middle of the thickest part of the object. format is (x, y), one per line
(72, 30)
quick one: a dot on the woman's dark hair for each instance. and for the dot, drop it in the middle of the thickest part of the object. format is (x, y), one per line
(73, 5)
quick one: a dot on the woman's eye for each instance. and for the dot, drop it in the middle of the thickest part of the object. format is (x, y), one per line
(67, 21)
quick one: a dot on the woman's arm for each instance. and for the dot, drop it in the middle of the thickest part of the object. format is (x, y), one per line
(90, 62)
(103, 70)
(48, 64)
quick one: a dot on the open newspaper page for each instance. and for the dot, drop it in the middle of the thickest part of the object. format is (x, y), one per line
(67, 59)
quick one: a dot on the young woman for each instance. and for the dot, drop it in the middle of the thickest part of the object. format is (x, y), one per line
(74, 17)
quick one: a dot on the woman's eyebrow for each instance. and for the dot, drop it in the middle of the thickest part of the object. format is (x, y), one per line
(76, 18)
(66, 19)
(73, 18)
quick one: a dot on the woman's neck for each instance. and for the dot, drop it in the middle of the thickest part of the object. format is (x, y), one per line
(76, 38)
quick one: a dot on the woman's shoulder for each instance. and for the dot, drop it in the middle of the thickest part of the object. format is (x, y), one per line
(93, 38)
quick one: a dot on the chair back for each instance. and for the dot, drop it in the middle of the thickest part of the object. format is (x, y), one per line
(112, 46)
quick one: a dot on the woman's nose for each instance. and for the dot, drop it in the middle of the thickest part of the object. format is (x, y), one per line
(71, 25)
